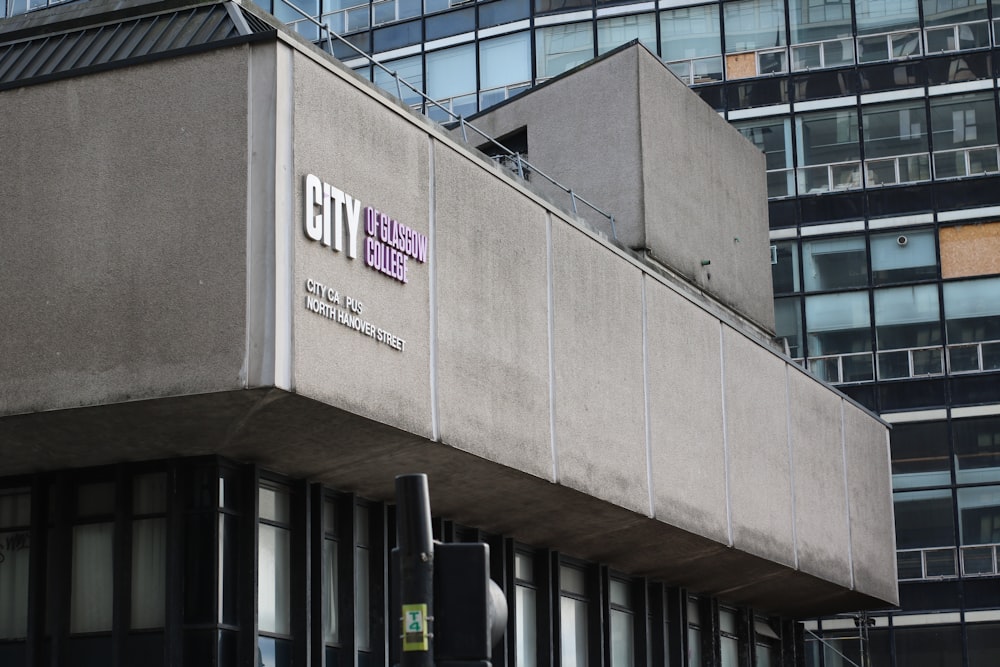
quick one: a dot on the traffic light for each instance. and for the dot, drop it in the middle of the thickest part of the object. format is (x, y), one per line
(447, 612)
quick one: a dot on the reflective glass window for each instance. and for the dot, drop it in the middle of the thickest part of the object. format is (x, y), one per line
(977, 449)
(409, 70)
(773, 137)
(691, 43)
(875, 16)
(504, 61)
(835, 263)
(908, 332)
(838, 323)
(920, 455)
(15, 557)
(965, 135)
(331, 579)
(785, 267)
(983, 644)
(923, 519)
(979, 515)
(362, 579)
(693, 632)
(907, 255)
(829, 151)
(972, 310)
(618, 30)
(821, 33)
(92, 573)
(728, 640)
(274, 560)
(755, 38)
(451, 72)
(896, 147)
(955, 25)
(788, 324)
(149, 551)
(525, 611)
(622, 617)
(503, 11)
(560, 48)
(543, 6)
(573, 633)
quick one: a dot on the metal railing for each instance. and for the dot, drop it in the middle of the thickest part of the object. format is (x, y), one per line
(428, 104)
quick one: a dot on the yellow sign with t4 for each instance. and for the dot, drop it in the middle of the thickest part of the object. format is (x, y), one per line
(415, 627)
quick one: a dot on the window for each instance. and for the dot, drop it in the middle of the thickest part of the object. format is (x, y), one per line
(929, 646)
(274, 574)
(693, 632)
(619, 30)
(887, 29)
(729, 638)
(622, 617)
(755, 38)
(525, 611)
(903, 256)
(923, 519)
(965, 135)
(573, 631)
(691, 43)
(835, 263)
(895, 143)
(451, 80)
(774, 139)
(331, 580)
(977, 449)
(972, 310)
(920, 455)
(955, 25)
(907, 321)
(829, 152)
(785, 267)
(560, 48)
(788, 324)
(838, 327)
(979, 515)
(93, 561)
(504, 67)
(15, 559)
(149, 551)
(362, 579)
(410, 70)
(821, 33)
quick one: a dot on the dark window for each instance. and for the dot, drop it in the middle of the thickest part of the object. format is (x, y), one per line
(929, 646)
(920, 455)
(503, 11)
(450, 23)
(545, 6)
(396, 36)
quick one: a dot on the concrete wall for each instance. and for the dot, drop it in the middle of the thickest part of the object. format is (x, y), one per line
(535, 344)
(683, 185)
(123, 235)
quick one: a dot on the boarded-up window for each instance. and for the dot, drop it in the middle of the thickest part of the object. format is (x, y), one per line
(970, 250)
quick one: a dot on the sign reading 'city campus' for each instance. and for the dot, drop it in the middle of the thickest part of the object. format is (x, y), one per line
(333, 219)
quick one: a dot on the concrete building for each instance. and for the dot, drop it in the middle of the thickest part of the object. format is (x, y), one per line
(878, 121)
(243, 288)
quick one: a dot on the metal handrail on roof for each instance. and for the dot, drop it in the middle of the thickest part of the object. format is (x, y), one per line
(464, 124)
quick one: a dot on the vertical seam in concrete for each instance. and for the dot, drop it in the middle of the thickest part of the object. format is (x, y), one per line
(725, 432)
(791, 465)
(283, 219)
(847, 492)
(432, 290)
(249, 309)
(645, 398)
(550, 300)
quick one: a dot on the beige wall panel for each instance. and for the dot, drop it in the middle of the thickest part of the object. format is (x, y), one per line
(685, 413)
(822, 533)
(124, 275)
(870, 490)
(760, 492)
(705, 195)
(599, 406)
(492, 322)
(970, 250)
(348, 139)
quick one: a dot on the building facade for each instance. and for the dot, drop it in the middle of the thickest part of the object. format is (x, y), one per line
(243, 288)
(878, 120)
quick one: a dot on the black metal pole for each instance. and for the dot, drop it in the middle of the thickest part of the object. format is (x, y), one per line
(416, 563)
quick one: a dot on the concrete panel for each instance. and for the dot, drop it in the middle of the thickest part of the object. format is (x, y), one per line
(492, 317)
(597, 337)
(760, 486)
(124, 274)
(822, 534)
(705, 195)
(685, 413)
(869, 487)
(348, 139)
